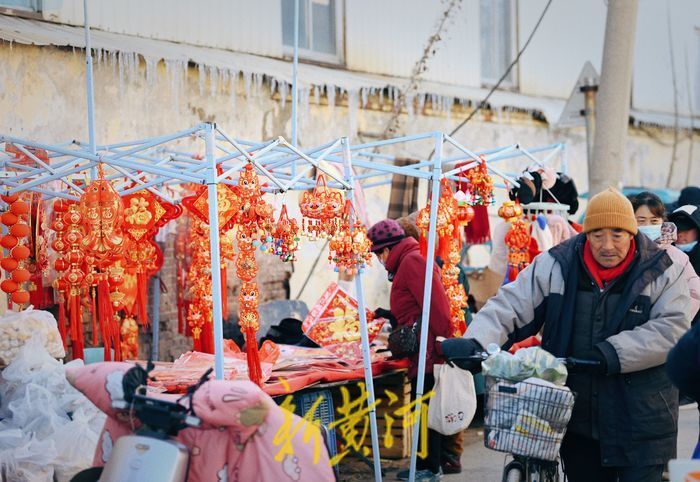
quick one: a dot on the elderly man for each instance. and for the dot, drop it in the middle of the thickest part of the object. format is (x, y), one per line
(610, 295)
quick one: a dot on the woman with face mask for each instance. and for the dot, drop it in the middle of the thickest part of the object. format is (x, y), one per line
(650, 213)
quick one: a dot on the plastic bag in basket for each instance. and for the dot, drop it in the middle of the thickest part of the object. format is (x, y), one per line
(526, 363)
(16, 328)
(334, 324)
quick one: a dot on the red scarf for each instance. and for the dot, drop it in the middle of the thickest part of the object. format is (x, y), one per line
(601, 275)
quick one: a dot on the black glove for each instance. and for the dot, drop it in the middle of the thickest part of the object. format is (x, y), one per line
(387, 315)
(593, 362)
(459, 351)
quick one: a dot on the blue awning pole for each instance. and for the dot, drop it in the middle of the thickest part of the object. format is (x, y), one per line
(155, 317)
(295, 86)
(427, 292)
(364, 335)
(90, 92)
(216, 292)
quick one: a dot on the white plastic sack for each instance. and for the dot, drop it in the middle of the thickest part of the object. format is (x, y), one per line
(452, 408)
(16, 328)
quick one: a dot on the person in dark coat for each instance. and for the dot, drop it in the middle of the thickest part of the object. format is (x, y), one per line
(687, 221)
(689, 195)
(684, 368)
(613, 296)
(401, 257)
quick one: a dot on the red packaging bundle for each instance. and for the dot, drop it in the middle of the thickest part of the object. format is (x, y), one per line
(334, 324)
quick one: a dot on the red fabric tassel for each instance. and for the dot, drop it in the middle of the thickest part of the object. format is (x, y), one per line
(224, 296)
(253, 356)
(93, 314)
(423, 246)
(62, 323)
(76, 327)
(141, 302)
(478, 231)
(207, 338)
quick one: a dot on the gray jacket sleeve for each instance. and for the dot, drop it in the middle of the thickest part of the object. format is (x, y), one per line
(514, 305)
(647, 345)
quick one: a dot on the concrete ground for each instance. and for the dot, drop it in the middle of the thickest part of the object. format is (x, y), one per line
(483, 465)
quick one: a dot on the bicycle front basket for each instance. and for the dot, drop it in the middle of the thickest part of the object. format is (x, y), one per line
(526, 418)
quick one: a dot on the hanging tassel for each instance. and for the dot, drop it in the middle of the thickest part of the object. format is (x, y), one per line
(224, 296)
(478, 231)
(423, 245)
(93, 315)
(141, 302)
(62, 322)
(106, 317)
(253, 356)
(76, 329)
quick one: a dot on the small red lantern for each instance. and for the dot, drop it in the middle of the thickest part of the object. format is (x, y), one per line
(20, 252)
(8, 241)
(9, 219)
(9, 286)
(9, 264)
(20, 230)
(20, 275)
(9, 198)
(19, 207)
(20, 297)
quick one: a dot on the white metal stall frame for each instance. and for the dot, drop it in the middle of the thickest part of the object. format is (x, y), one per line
(150, 164)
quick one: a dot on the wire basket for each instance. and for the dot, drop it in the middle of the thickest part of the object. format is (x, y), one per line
(526, 418)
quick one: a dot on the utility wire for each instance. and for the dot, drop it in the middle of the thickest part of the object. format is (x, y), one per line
(503, 77)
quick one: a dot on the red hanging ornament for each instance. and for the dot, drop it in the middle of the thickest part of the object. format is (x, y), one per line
(321, 209)
(517, 239)
(286, 236)
(350, 246)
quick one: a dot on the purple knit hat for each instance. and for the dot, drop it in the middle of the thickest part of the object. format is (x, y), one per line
(384, 234)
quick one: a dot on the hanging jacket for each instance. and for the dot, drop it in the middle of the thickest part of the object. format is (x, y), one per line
(633, 410)
(407, 267)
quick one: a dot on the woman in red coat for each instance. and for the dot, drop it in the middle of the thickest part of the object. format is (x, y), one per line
(401, 257)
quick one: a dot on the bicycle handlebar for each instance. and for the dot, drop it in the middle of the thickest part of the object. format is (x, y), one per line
(570, 362)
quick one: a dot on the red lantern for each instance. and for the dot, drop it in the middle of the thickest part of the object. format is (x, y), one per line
(8, 219)
(8, 241)
(19, 207)
(20, 230)
(9, 198)
(20, 275)
(60, 264)
(9, 286)
(9, 264)
(20, 297)
(20, 252)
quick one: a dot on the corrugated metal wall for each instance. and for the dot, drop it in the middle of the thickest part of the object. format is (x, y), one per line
(253, 26)
(388, 37)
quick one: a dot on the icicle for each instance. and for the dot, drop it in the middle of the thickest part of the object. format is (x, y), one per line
(233, 80)
(317, 94)
(273, 86)
(304, 96)
(330, 93)
(246, 83)
(381, 99)
(151, 71)
(213, 80)
(364, 95)
(259, 78)
(224, 76)
(120, 63)
(421, 103)
(409, 105)
(202, 78)
(283, 93)
(353, 100)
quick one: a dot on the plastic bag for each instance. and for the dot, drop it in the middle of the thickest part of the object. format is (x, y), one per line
(16, 328)
(526, 363)
(452, 408)
(48, 428)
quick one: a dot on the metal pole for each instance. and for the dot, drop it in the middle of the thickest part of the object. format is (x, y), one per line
(90, 92)
(613, 103)
(427, 292)
(295, 86)
(589, 93)
(366, 354)
(155, 317)
(216, 293)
